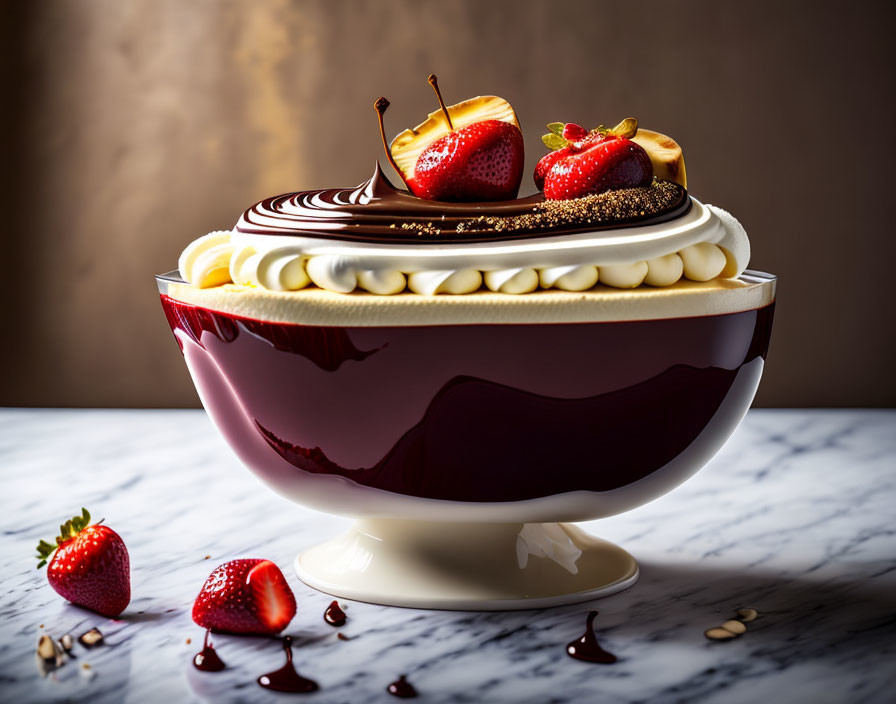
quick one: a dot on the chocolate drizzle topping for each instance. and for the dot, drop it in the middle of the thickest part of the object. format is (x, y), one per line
(377, 212)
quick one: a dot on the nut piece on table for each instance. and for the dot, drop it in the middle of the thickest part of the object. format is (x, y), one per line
(736, 627)
(719, 634)
(49, 655)
(92, 638)
(747, 615)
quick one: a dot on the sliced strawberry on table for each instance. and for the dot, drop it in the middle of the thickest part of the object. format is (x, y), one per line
(245, 596)
(89, 565)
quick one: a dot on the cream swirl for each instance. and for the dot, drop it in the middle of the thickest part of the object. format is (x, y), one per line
(377, 239)
(703, 244)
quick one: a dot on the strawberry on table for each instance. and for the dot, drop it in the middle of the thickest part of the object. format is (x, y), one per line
(245, 596)
(88, 565)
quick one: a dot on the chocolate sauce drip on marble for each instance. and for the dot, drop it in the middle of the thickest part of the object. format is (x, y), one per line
(377, 212)
(402, 689)
(334, 615)
(286, 679)
(207, 659)
(587, 648)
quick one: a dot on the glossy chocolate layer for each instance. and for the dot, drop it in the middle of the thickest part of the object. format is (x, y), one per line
(472, 413)
(377, 212)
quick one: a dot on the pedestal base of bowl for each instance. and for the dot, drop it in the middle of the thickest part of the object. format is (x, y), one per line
(467, 566)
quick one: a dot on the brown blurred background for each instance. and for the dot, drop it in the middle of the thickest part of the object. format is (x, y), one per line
(130, 128)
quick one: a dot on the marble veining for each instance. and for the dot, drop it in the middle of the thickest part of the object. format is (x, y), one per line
(794, 517)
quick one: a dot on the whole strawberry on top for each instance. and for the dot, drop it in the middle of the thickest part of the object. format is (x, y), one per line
(245, 596)
(586, 162)
(89, 565)
(594, 162)
(472, 151)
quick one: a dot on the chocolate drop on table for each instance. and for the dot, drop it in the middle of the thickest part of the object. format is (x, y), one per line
(402, 689)
(286, 679)
(587, 648)
(334, 615)
(207, 659)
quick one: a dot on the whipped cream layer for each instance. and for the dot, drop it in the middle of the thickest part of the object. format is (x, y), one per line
(384, 241)
(313, 306)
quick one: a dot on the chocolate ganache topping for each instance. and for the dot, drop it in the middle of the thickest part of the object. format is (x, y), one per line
(377, 212)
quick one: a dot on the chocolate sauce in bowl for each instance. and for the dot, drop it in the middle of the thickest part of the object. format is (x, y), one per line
(286, 679)
(334, 615)
(377, 212)
(207, 659)
(587, 648)
(402, 689)
(478, 411)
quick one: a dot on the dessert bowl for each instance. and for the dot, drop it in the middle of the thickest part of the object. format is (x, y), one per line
(466, 372)
(464, 433)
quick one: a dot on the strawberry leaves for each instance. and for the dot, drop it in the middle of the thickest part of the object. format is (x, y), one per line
(628, 128)
(67, 531)
(557, 137)
(44, 550)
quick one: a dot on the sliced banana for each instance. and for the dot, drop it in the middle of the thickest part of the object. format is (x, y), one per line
(665, 155)
(408, 145)
(206, 261)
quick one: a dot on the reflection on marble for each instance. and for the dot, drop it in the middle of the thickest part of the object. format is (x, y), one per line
(794, 517)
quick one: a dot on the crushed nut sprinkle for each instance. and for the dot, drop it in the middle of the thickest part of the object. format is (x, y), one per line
(609, 206)
(421, 228)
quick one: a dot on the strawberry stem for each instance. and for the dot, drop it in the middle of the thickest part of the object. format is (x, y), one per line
(434, 82)
(380, 105)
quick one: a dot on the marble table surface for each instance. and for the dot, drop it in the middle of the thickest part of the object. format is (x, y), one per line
(794, 517)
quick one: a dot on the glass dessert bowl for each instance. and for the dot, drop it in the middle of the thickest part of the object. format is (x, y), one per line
(465, 432)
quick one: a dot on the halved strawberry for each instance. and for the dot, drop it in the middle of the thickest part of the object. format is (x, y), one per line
(245, 596)
(479, 162)
(471, 151)
(89, 566)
